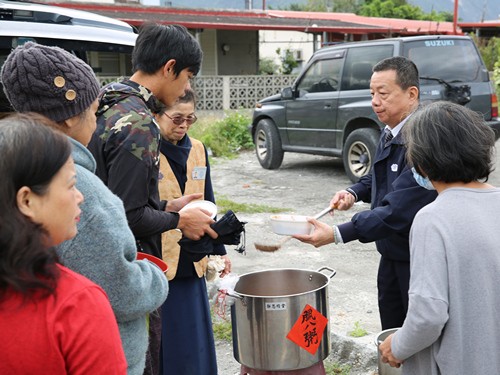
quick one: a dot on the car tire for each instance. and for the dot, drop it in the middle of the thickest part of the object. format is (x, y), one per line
(359, 152)
(268, 145)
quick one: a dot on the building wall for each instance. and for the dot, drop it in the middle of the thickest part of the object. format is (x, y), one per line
(301, 43)
(242, 56)
(208, 42)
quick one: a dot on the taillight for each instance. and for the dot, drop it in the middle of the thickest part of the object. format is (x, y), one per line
(494, 105)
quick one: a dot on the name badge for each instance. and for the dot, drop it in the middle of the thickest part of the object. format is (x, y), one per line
(199, 173)
(394, 167)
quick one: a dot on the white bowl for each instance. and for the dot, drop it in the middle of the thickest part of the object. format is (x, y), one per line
(291, 224)
(206, 205)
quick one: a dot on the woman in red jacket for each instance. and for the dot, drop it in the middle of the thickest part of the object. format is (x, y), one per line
(52, 320)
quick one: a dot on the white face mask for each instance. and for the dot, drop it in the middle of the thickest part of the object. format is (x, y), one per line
(422, 181)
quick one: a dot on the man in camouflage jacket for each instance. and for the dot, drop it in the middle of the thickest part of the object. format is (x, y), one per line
(127, 139)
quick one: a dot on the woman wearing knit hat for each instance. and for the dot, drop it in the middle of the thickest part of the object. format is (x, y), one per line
(55, 83)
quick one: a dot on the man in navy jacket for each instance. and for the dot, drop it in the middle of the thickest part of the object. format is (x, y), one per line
(394, 195)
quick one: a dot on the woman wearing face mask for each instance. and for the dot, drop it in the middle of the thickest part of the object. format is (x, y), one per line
(58, 85)
(452, 321)
(52, 320)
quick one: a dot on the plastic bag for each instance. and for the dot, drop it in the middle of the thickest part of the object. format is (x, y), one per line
(223, 298)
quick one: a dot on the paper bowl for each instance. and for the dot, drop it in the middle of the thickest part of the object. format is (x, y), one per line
(290, 224)
(206, 205)
(160, 263)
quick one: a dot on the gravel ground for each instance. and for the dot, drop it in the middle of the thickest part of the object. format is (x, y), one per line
(304, 185)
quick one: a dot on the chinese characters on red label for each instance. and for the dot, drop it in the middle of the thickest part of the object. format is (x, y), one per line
(308, 330)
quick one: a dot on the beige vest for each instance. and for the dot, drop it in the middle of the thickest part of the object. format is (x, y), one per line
(169, 190)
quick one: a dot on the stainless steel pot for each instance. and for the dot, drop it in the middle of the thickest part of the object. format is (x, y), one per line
(385, 368)
(268, 303)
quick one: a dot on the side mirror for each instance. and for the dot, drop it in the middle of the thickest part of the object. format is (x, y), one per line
(287, 93)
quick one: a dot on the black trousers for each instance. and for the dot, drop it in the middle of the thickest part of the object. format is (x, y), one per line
(153, 353)
(393, 282)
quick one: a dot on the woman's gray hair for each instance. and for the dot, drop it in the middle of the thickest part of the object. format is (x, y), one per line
(449, 143)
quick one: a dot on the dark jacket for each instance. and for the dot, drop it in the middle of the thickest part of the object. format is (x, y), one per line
(126, 146)
(395, 199)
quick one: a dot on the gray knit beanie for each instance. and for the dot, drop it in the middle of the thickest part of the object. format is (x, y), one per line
(49, 81)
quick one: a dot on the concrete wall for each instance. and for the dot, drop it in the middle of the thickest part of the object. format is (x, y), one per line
(208, 42)
(242, 58)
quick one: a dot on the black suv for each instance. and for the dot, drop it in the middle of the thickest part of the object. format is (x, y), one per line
(328, 109)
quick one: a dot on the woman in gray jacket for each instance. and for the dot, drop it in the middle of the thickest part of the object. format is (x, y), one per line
(452, 321)
(54, 83)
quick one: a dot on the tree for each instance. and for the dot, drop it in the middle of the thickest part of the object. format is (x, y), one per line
(288, 61)
(372, 8)
(346, 6)
(400, 9)
(342, 6)
(268, 66)
(489, 49)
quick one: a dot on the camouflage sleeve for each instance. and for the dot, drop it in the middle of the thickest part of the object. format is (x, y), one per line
(132, 127)
(131, 140)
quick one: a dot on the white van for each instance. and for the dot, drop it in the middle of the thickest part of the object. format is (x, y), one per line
(104, 43)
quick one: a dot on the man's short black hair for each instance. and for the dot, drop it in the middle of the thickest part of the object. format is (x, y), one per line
(156, 44)
(406, 71)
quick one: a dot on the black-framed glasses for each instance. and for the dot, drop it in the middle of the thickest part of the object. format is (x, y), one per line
(179, 120)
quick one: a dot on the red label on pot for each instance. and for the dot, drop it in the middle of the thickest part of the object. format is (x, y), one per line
(308, 330)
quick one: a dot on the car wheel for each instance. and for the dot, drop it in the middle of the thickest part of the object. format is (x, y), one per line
(268, 145)
(359, 152)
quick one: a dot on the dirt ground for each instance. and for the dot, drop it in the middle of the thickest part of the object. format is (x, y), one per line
(304, 185)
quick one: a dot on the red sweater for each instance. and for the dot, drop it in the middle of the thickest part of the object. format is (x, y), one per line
(73, 331)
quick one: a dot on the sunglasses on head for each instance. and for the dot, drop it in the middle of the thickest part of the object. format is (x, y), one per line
(179, 120)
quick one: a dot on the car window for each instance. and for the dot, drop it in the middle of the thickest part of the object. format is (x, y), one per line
(453, 60)
(322, 76)
(359, 63)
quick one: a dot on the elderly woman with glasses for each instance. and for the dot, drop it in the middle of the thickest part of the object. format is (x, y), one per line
(187, 338)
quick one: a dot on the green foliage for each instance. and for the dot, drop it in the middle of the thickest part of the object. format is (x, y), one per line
(317, 5)
(390, 9)
(222, 328)
(400, 9)
(489, 49)
(438, 16)
(227, 136)
(335, 368)
(267, 65)
(372, 8)
(496, 77)
(288, 62)
(490, 52)
(224, 204)
(344, 6)
(222, 331)
(358, 331)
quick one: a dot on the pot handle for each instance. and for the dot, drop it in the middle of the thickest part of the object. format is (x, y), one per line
(231, 294)
(328, 269)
